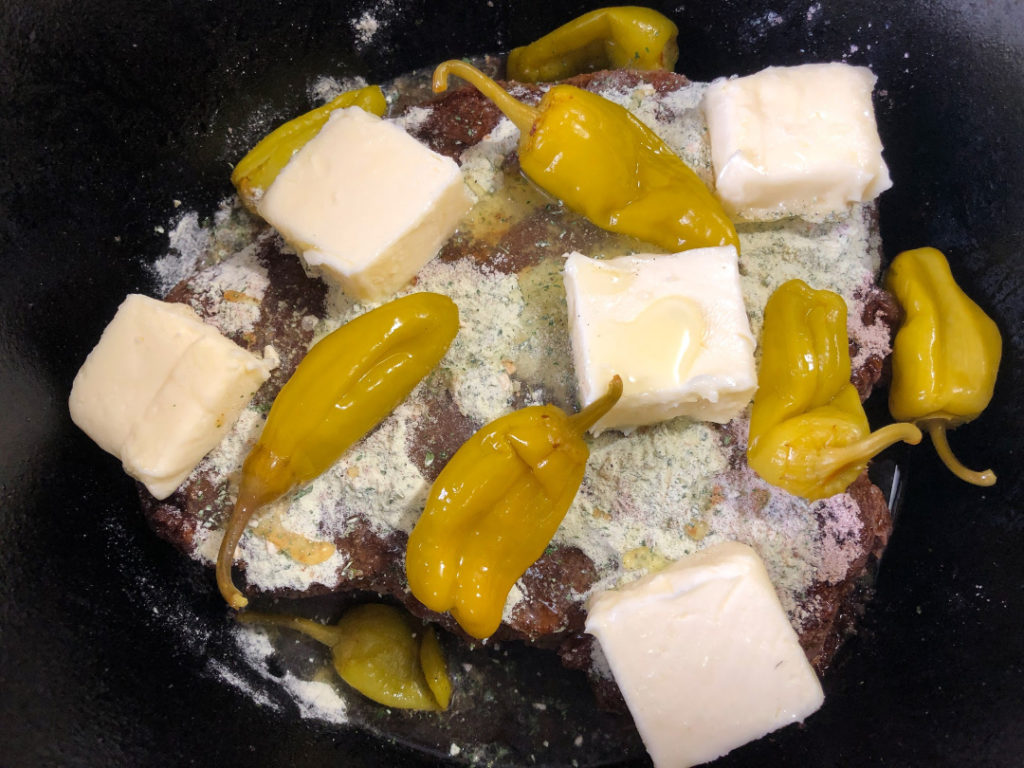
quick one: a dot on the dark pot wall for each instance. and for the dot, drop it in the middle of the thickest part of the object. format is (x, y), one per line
(109, 112)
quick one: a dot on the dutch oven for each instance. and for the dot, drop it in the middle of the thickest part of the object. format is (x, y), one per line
(115, 116)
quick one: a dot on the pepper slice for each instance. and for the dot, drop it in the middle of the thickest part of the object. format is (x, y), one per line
(344, 386)
(604, 164)
(808, 431)
(257, 170)
(494, 508)
(946, 354)
(381, 652)
(608, 38)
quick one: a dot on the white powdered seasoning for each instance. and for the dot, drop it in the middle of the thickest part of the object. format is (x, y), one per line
(481, 163)
(187, 241)
(655, 496)
(325, 88)
(315, 698)
(676, 117)
(235, 288)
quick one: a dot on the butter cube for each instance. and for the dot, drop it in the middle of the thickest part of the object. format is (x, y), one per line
(161, 389)
(366, 204)
(795, 141)
(674, 327)
(704, 655)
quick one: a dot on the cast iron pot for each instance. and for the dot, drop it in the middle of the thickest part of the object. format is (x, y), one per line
(113, 114)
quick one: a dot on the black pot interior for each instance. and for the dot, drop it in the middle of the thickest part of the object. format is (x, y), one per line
(116, 116)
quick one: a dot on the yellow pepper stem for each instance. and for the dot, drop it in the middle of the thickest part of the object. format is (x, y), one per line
(322, 633)
(253, 494)
(522, 115)
(589, 416)
(937, 431)
(226, 556)
(872, 445)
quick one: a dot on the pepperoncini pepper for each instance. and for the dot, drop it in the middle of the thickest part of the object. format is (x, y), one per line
(608, 38)
(946, 354)
(603, 163)
(344, 386)
(808, 431)
(494, 508)
(257, 170)
(381, 652)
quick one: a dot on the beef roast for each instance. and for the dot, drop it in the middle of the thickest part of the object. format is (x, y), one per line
(349, 531)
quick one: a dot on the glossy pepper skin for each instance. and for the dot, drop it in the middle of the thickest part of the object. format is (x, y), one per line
(946, 354)
(381, 652)
(345, 385)
(603, 163)
(494, 508)
(619, 37)
(808, 431)
(257, 170)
